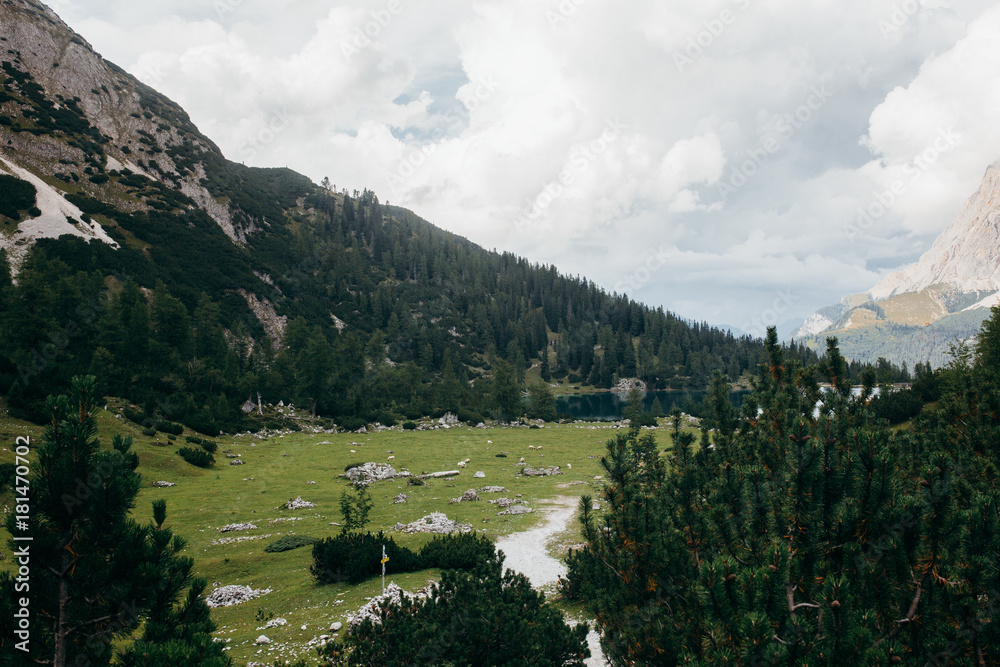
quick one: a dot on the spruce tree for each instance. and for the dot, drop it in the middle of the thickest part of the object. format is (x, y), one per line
(97, 574)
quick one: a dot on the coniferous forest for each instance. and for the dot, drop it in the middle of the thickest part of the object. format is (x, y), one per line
(384, 316)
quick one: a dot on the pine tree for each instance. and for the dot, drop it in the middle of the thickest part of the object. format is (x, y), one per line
(541, 402)
(97, 574)
(802, 536)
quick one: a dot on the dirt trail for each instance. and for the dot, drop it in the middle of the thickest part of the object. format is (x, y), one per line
(527, 552)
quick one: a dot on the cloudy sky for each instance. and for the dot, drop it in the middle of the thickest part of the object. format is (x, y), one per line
(710, 156)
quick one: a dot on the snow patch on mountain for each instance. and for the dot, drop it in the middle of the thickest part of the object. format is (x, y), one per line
(59, 218)
(813, 325)
(989, 302)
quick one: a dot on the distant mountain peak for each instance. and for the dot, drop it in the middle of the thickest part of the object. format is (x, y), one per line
(916, 313)
(965, 257)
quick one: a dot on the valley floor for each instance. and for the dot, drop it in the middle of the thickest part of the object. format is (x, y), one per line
(293, 465)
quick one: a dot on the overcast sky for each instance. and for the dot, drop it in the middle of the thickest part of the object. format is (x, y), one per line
(710, 156)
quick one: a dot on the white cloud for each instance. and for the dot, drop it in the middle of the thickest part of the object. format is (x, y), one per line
(492, 119)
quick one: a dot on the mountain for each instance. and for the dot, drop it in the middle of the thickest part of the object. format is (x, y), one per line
(188, 283)
(915, 314)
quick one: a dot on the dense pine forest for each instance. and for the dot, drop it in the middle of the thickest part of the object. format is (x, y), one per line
(387, 316)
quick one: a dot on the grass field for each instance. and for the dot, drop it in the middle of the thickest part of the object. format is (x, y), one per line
(282, 468)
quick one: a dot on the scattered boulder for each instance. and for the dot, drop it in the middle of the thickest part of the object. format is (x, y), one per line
(493, 489)
(162, 484)
(236, 462)
(540, 472)
(298, 504)
(274, 623)
(262, 640)
(372, 610)
(516, 509)
(370, 472)
(228, 596)
(237, 527)
(445, 473)
(480, 474)
(435, 522)
(400, 499)
(336, 626)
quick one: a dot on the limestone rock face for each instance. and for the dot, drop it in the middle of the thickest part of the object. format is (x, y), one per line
(965, 257)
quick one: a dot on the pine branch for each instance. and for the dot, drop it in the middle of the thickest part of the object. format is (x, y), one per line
(909, 614)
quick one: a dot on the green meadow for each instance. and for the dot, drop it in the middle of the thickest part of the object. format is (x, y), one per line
(280, 468)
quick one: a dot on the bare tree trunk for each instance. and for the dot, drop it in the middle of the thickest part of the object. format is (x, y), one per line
(60, 639)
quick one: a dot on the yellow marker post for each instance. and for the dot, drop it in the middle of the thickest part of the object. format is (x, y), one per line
(385, 559)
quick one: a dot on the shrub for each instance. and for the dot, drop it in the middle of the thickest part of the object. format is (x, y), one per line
(409, 426)
(16, 196)
(208, 446)
(289, 542)
(169, 427)
(352, 423)
(98, 179)
(352, 465)
(149, 432)
(134, 416)
(196, 457)
(171, 437)
(470, 417)
(415, 481)
(354, 557)
(460, 551)
(193, 439)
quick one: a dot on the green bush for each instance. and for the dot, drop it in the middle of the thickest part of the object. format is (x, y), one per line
(149, 432)
(352, 423)
(171, 437)
(98, 179)
(352, 465)
(460, 551)
(193, 439)
(169, 427)
(289, 542)
(470, 417)
(208, 446)
(135, 416)
(409, 426)
(196, 457)
(415, 481)
(16, 196)
(354, 557)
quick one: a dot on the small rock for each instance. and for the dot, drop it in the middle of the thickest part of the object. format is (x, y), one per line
(480, 473)
(336, 626)
(400, 499)
(262, 640)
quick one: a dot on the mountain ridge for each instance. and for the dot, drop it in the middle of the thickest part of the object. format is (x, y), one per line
(221, 281)
(942, 298)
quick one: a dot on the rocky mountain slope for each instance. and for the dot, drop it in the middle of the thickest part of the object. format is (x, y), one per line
(915, 314)
(209, 281)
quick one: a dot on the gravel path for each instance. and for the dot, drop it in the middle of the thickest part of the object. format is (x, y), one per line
(527, 553)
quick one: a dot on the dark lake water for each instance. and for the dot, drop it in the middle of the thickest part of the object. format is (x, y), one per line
(608, 405)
